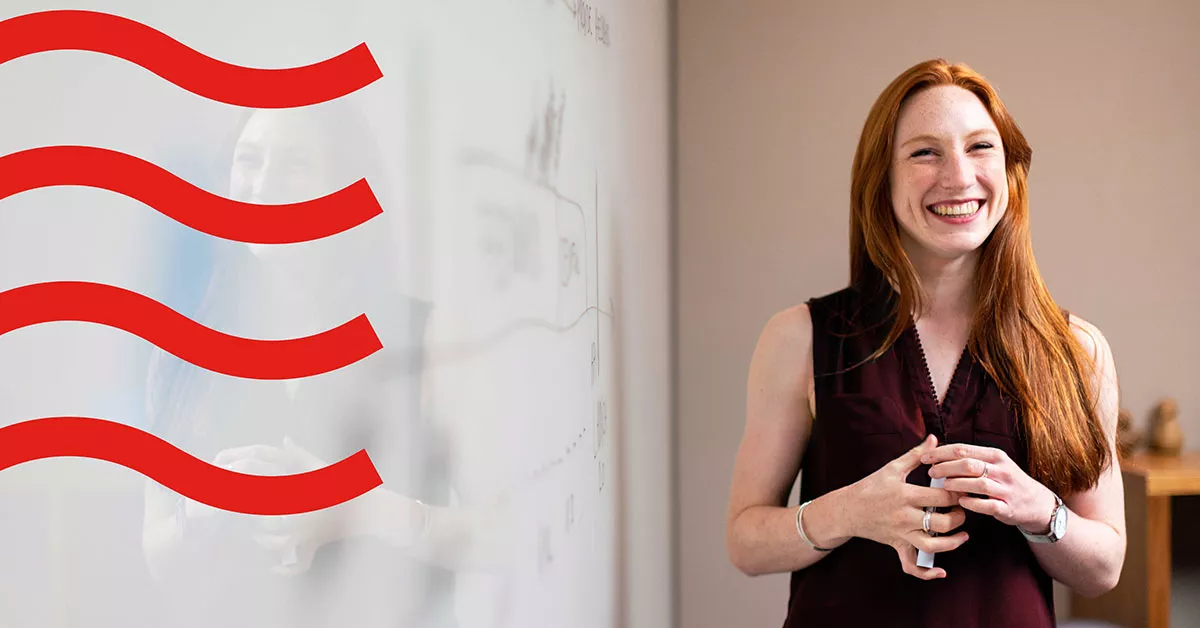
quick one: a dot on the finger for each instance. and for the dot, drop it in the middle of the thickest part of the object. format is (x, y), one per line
(977, 486)
(302, 456)
(946, 522)
(997, 508)
(225, 457)
(251, 466)
(963, 450)
(911, 459)
(927, 497)
(908, 561)
(961, 467)
(936, 544)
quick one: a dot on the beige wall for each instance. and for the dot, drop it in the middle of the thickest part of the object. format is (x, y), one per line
(771, 99)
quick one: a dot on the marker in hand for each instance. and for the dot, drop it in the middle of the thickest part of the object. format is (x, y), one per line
(925, 559)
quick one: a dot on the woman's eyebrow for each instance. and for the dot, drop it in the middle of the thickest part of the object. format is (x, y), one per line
(934, 138)
(919, 138)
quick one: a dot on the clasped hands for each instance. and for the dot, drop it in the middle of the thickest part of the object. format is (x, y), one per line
(980, 479)
(296, 537)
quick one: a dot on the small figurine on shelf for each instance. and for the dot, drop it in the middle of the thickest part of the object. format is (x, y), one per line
(1167, 436)
(1128, 437)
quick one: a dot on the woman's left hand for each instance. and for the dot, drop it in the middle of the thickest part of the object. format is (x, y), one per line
(992, 484)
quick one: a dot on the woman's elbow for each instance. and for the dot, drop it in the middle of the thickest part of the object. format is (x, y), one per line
(743, 565)
(1104, 580)
(736, 550)
(1098, 587)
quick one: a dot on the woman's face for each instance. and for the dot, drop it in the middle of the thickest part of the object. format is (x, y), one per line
(948, 183)
(279, 158)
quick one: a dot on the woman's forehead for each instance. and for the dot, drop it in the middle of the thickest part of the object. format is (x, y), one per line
(942, 111)
(281, 129)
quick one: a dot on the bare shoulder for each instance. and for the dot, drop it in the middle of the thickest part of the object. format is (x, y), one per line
(1095, 344)
(792, 326)
(1089, 336)
(783, 357)
(786, 340)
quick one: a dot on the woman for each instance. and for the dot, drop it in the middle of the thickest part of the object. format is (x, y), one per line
(945, 360)
(362, 563)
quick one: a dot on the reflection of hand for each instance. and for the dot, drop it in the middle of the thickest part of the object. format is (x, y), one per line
(298, 537)
(252, 459)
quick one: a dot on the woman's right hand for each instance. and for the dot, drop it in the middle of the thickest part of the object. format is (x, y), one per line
(889, 510)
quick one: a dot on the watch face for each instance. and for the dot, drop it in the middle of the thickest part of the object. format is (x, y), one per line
(1060, 522)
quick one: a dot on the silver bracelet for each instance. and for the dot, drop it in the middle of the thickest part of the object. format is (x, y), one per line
(800, 529)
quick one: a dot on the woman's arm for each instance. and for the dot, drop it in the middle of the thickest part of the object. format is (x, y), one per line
(457, 538)
(1089, 558)
(761, 534)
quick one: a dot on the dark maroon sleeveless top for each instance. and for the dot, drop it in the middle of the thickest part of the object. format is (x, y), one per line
(869, 415)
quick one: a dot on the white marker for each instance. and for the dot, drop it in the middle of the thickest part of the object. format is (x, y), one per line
(925, 559)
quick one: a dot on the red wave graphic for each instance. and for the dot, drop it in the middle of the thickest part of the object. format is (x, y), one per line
(183, 66)
(176, 198)
(186, 339)
(184, 473)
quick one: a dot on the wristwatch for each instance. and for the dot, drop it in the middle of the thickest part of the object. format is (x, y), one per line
(1058, 525)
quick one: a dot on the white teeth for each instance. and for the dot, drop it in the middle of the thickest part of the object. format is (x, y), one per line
(961, 209)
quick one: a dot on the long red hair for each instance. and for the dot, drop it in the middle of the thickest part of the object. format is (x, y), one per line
(1019, 335)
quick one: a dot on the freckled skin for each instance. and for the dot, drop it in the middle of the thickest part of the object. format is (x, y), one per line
(963, 158)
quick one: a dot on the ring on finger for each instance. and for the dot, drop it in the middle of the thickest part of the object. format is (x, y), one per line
(985, 471)
(925, 521)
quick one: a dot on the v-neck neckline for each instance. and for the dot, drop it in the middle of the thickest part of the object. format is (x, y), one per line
(938, 410)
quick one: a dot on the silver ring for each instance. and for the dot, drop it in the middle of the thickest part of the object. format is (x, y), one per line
(925, 522)
(985, 471)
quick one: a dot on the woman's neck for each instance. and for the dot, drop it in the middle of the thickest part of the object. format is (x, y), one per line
(949, 284)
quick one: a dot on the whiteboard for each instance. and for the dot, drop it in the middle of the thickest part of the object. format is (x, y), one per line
(516, 280)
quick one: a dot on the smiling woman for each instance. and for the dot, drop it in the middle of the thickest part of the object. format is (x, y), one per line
(946, 335)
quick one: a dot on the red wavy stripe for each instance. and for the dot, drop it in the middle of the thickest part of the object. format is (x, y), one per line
(184, 473)
(175, 333)
(176, 198)
(183, 66)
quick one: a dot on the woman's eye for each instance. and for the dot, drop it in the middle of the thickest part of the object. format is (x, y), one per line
(982, 146)
(923, 152)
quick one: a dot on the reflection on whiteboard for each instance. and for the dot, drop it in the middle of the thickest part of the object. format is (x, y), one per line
(496, 144)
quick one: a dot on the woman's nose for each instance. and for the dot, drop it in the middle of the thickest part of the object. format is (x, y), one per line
(262, 184)
(957, 172)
